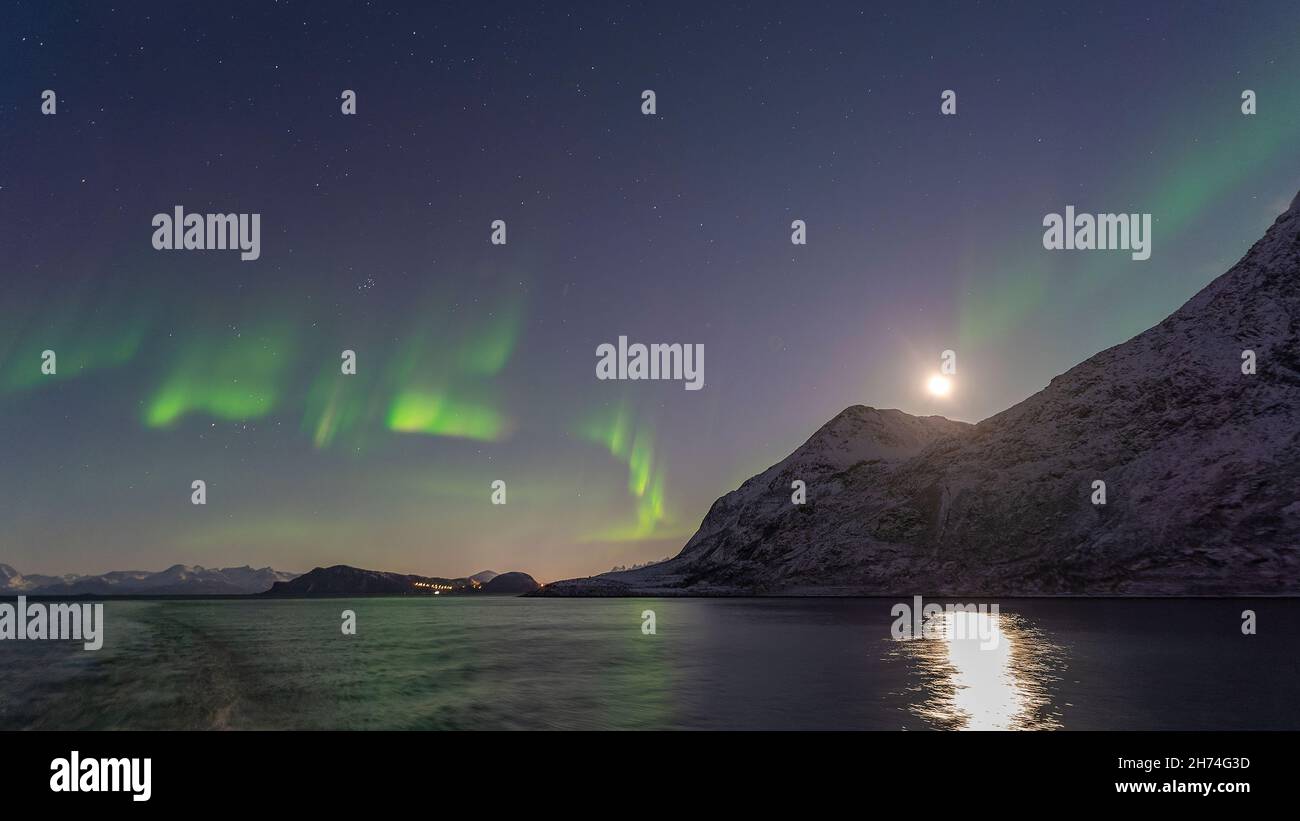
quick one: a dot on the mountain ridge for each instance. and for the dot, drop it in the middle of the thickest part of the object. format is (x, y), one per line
(176, 580)
(1201, 464)
(345, 581)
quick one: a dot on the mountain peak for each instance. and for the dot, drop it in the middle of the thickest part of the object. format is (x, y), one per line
(861, 433)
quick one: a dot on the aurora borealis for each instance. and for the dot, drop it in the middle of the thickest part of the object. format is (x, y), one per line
(475, 361)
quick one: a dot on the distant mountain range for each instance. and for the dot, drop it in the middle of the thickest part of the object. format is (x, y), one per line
(177, 580)
(344, 581)
(1201, 465)
(184, 580)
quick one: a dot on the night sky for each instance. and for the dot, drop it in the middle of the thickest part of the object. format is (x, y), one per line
(477, 362)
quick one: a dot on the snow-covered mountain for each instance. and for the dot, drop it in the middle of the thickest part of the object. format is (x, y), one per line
(174, 581)
(1201, 464)
(11, 579)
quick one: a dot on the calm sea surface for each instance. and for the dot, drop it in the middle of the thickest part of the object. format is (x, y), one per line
(426, 664)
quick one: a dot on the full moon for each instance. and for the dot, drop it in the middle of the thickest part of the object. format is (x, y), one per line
(939, 385)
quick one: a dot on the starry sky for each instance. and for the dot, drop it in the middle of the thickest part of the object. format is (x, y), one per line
(476, 362)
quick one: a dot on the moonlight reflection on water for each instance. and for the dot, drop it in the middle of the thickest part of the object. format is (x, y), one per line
(983, 671)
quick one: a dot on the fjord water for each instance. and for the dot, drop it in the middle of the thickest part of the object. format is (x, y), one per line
(507, 663)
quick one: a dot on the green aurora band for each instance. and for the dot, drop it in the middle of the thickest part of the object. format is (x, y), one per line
(632, 445)
(1001, 296)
